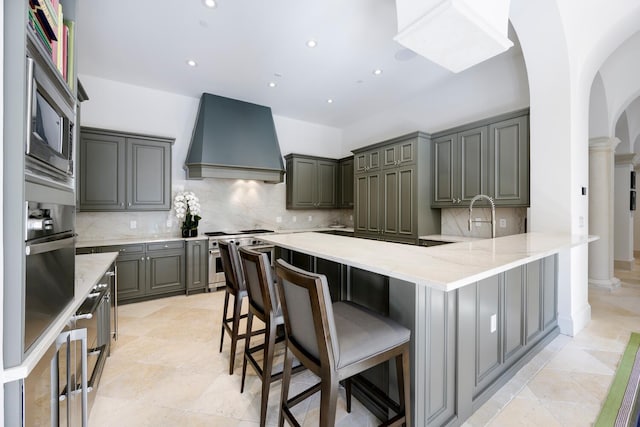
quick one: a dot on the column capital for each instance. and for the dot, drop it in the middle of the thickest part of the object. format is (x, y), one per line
(627, 159)
(603, 143)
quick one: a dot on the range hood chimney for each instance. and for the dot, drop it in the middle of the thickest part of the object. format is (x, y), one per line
(234, 139)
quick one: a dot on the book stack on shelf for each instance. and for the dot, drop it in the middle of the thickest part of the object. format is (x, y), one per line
(55, 34)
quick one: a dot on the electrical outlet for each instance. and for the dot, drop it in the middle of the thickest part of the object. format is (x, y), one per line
(168, 223)
(133, 224)
(310, 218)
(294, 219)
(494, 323)
(581, 222)
(278, 219)
(503, 223)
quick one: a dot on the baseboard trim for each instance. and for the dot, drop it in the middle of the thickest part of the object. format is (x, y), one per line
(608, 284)
(572, 325)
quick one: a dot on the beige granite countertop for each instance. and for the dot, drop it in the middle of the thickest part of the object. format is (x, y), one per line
(89, 269)
(445, 267)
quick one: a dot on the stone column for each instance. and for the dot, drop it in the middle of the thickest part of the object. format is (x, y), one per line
(601, 211)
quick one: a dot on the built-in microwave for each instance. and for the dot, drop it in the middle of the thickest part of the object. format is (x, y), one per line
(50, 120)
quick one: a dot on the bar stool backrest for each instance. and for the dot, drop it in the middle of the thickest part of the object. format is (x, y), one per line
(233, 274)
(308, 316)
(257, 274)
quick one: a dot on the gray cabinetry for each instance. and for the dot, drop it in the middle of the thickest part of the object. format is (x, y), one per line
(509, 161)
(312, 182)
(486, 157)
(197, 265)
(149, 270)
(504, 317)
(120, 171)
(460, 167)
(392, 191)
(345, 182)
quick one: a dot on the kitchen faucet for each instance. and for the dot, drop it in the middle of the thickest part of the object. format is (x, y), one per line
(493, 214)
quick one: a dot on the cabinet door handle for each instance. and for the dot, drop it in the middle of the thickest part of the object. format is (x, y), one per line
(122, 204)
(142, 259)
(147, 258)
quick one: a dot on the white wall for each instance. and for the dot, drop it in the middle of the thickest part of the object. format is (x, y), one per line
(490, 88)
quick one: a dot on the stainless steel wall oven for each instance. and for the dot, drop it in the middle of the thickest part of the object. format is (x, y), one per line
(49, 259)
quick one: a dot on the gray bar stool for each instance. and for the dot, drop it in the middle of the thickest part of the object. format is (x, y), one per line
(234, 286)
(335, 342)
(265, 305)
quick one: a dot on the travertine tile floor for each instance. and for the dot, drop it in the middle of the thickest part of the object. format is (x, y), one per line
(165, 370)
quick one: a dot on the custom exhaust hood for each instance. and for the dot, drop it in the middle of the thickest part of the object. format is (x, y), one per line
(234, 139)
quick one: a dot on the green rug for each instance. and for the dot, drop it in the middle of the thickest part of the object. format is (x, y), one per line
(621, 407)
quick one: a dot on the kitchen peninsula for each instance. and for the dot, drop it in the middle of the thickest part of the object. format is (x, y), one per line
(478, 310)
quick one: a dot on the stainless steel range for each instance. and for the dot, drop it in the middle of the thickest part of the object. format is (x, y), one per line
(240, 238)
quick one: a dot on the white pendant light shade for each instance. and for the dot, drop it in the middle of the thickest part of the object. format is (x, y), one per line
(455, 34)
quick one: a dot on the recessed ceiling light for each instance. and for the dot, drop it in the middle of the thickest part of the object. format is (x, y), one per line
(272, 84)
(312, 43)
(329, 101)
(192, 63)
(209, 3)
(377, 72)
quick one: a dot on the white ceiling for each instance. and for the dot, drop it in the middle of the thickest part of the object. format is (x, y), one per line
(242, 45)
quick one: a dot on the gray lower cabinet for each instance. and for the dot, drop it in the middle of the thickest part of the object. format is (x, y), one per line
(392, 195)
(148, 270)
(197, 265)
(486, 157)
(120, 171)
(312, 182)
(501, 319)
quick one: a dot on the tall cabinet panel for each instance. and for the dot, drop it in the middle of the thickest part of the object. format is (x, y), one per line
(346, 183)
(393, 204)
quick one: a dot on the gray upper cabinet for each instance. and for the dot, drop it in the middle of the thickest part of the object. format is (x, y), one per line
(368, 161)
(345, 182)
(392, 190)
(120, 171)
(488, 157)
(312, 182)
(102, 172)
(509, 161)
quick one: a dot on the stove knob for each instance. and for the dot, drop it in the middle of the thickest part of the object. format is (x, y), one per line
(237, 243)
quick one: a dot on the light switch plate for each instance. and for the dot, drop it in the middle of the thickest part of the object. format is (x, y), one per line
(168, 223)
(278, 219)
(494, 323)
(310, 218)
(133, 224)
(294, 219)
(503, 223)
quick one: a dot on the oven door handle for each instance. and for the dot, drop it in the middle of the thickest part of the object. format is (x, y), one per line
(38, 248)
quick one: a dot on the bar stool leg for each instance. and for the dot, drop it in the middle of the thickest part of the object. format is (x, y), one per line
(328, 400)
(404, 385)
(286, 379)
(247, 346)
(237, 306)
(224, 317)
(267, 367)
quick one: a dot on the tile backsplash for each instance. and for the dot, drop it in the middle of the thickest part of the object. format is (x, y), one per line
(455, 221)
(227, 205)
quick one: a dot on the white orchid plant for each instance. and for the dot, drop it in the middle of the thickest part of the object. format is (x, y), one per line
(187, 207)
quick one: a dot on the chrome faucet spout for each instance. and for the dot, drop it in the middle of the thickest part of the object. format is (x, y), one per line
(493, 213)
